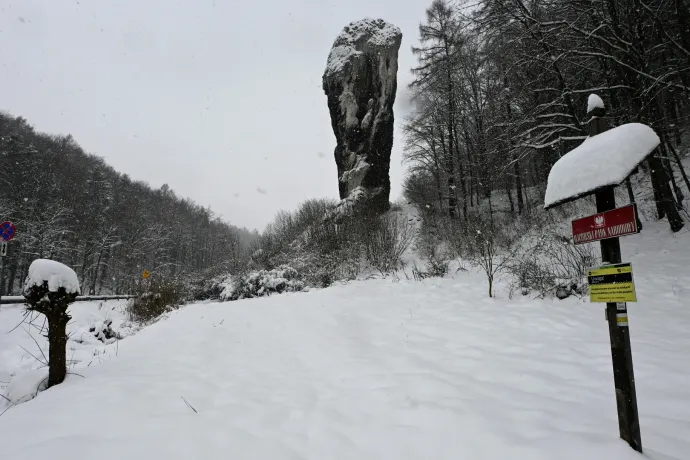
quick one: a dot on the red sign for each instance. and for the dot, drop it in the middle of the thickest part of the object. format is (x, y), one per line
(609, 224)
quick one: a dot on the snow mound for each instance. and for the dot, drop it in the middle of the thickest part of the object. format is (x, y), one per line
(366, 33)
(26, 385)
(23, 344)
(594, 102)
(600, 161)
(56, 274)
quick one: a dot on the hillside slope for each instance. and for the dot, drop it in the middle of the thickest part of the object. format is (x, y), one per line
(381, 370)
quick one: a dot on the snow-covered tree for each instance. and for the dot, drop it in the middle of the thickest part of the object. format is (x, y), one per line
(49, 289)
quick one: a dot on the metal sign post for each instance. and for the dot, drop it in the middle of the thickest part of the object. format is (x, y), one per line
(621, 352)
(7, 231)
(612, 283)
(3, 253)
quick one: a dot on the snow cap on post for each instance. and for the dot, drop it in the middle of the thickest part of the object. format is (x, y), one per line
(604, 160)
(594, 102)
(54, 273)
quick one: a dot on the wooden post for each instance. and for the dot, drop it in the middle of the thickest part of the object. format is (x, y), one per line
(621, 352)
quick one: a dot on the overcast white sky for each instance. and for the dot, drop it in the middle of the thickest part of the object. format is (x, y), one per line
(221, 99)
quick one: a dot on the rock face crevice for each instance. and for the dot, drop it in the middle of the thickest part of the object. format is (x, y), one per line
(360, 82)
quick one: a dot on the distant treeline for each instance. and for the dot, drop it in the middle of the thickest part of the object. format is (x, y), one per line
(72, 207)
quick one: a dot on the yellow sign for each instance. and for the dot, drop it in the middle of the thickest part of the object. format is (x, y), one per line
(146, 274)
(611, 283)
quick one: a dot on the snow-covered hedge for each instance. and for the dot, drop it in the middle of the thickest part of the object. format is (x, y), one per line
(262, 283)
(155, 297)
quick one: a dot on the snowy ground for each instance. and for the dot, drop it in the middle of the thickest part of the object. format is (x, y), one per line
(377, 370)
(23, 347)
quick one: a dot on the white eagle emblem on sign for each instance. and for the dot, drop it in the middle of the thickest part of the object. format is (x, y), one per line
(599, 221)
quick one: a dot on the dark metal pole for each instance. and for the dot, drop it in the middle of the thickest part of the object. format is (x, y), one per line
(2, 277)
(621, 352)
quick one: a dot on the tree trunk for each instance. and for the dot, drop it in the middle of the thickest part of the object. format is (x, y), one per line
(683, 19)
(57, 339)
(660, 212)
(94, 280)
(680, 166)
(461, 171)
(631, 197)
(516, 163)
(83, 269)
(9, 290)
(510, 196)
(518, 186)
(669, 173)
(676, 122)
(452, 199)
(448, 167)
(666, 200)
(491, 209)
(439, 186)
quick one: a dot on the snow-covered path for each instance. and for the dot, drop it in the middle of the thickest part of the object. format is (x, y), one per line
(378, 370)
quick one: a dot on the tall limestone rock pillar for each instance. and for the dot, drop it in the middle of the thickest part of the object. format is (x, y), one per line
(360, 82)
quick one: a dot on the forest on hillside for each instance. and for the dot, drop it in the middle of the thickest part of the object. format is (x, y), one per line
(70, 206)
(501, 90)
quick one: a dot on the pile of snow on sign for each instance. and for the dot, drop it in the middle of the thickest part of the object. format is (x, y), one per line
(377, 33)
(56, 274)
(600, 161)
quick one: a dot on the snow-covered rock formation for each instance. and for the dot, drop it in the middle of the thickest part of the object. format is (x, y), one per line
(360, 82)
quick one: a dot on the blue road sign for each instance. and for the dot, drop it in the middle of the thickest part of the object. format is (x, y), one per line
(7, 230)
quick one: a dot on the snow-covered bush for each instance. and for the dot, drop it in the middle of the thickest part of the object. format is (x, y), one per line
(324, 250)
(156, 296)
(550, 264)
(386, 238)
(49, 289)
(432, 245)
(103, 331)
(433, 268)
(207, 287)
(488, 243)
(280, 241)
(491, 247)
(532, 250)
(262, 283)
(330, 252)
